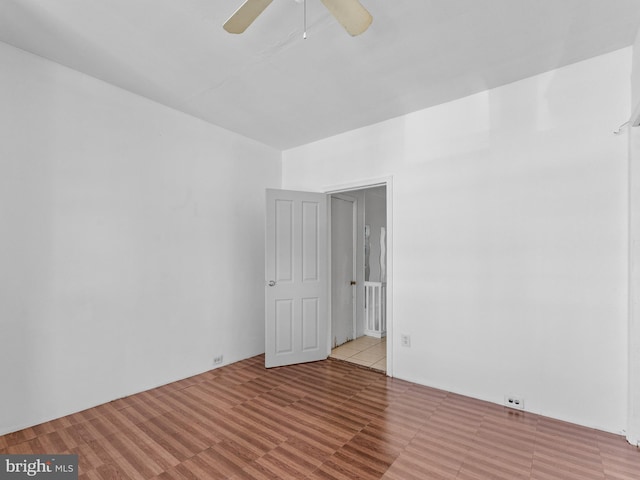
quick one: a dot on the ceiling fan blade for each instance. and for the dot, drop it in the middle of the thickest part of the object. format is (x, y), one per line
(245, 15)
(351, 15)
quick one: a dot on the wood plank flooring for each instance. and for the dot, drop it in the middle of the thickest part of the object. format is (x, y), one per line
(324, 420)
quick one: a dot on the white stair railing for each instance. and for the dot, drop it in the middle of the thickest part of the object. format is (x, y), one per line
(375, 321)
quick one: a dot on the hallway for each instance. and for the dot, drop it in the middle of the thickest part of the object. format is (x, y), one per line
(366, 351)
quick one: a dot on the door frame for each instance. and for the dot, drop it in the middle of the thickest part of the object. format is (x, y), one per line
(362, 185)
(354, 249)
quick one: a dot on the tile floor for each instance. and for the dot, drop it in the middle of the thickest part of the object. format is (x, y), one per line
(367, 351)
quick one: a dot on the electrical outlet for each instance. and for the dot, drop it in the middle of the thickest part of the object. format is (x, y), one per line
(513, 401)
(217, 360)
(405, 340)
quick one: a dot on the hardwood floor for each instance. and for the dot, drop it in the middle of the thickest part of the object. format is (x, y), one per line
(324, 420)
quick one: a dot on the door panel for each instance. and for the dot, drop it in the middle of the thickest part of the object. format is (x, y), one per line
(310, 324)
(283, 241)
(296, 317)
(310, 242)
(284, 326)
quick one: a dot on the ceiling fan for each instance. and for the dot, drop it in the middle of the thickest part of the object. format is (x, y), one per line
(350, 13)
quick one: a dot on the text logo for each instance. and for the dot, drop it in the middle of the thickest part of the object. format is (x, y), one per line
(49, 467)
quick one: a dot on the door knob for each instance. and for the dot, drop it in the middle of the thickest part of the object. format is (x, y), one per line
(353, 282)
(272, 283)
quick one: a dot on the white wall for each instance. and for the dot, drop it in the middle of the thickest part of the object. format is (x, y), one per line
(510, 238)
(633, 431)
(131, 238)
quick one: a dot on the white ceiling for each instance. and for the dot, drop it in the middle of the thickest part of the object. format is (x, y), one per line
(271, 85)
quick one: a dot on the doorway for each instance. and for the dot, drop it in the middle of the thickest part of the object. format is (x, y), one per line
(298, 274)
(358, 276)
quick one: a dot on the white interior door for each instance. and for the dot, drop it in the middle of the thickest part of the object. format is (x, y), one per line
(343, 272)
(296, 314)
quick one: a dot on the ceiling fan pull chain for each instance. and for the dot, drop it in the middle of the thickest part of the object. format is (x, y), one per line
(304, 34)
